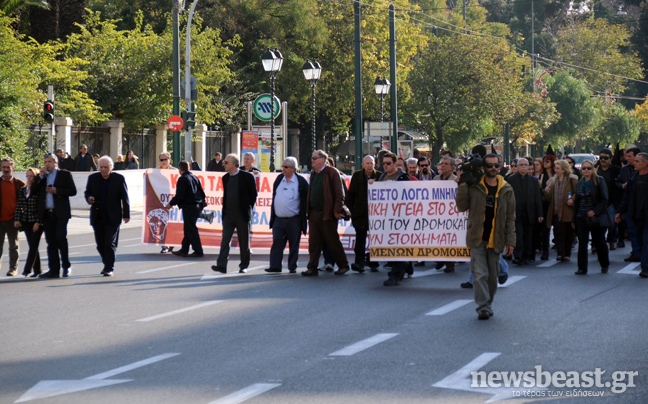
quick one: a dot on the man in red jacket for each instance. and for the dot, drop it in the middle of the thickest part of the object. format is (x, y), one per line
(9, 188)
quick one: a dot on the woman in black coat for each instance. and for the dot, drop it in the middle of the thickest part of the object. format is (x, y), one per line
(27, 219)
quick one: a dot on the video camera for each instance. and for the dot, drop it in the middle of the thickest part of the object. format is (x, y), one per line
(471, 167)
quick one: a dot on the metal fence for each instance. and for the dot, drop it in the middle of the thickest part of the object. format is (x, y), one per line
(142, 143)
(95, 137)
(217, 141)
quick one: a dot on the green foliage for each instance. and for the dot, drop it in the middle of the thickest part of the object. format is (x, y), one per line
(129, 72)
(458, 82)
(617, 124)
(578, 112)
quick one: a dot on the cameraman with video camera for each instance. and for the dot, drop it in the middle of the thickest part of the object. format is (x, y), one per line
(490, 203)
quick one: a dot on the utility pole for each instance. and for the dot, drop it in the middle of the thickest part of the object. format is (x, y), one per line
(177, 6)
(392, 71)
(358, 88)
(188, 97)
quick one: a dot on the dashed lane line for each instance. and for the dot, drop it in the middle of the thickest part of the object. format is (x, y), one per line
(364, 344)
(174, 312)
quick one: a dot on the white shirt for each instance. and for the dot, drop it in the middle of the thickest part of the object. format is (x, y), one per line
(49, 198)
(286, 201)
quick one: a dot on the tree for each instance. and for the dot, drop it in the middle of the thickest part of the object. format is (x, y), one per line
(617, 125)
(601, 48)
(26, 68)
(459, 81)
(578, 112)
(130, 71)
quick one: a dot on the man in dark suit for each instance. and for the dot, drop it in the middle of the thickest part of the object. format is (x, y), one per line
(358, 204)
(56, 188)
(190, 198)
(108, 194)
(216, 164)
(84, 160)
(528, 211)
(239, 198)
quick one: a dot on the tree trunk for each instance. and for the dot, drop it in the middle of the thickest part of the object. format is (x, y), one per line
(70, 13)
(44, 23)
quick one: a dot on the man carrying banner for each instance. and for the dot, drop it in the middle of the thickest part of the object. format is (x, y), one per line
(359, 206)
(446, 168)
(190, 198)
(490, 203)
(394, 174)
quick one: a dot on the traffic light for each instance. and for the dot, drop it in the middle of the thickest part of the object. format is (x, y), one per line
(189, 118)
(48, 111)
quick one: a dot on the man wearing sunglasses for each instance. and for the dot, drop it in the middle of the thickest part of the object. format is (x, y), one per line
(324, 209)
(425, 172)
(491, 222)
(610, 172)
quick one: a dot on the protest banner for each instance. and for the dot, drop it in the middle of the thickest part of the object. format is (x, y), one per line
(416, 221)
(164, 227)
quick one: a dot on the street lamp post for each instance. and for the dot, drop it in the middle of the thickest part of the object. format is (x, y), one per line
(382, 86)
(272, 61)
(312, 72)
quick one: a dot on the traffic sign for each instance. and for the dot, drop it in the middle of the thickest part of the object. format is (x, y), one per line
(175, 123)
(262, 107)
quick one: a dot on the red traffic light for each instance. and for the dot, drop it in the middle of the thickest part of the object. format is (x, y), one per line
(48, 111)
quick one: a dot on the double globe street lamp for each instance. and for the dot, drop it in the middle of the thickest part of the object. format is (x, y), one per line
(312, 72)
(382, 86)
(272, 61)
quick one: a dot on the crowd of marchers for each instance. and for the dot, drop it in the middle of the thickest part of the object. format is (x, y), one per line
(514, 213)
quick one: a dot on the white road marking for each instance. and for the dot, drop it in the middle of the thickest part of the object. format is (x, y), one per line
(449, 307)
(163, 268)
(246, 393)
(511, 280)
(51, 388)
(426, 273)
(364, 344)
(629, 269)
(462, 380)
(174, 312)
(132, 366)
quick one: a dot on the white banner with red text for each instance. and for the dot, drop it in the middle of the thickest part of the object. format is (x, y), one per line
(416, 221)
(165, 227)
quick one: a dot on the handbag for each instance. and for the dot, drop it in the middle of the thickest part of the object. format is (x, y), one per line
(602, 220)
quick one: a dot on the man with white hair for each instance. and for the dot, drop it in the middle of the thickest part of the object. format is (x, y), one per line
(358, 204)
(248, 163)
(287, 215)
(107, 194)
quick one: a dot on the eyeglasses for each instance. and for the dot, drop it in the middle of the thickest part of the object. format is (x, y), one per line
(604, 158)
(387, 163)
(286, 166)
(491, 165)
(225, 162)
(424, 165)
(586, 168)
(315, 158)
(164, 159)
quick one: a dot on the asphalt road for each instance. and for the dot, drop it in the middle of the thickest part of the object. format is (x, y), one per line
(167, 329)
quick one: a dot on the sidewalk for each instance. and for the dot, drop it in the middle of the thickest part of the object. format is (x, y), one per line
(80, 222)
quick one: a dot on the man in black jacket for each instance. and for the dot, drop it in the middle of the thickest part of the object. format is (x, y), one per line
(610, 172)
(189, 197)
(528, 211)
(108, 194)
(358, 204)
(239, 198)
(84, 160)
(398, 268)
(56, 188)
(287, 215)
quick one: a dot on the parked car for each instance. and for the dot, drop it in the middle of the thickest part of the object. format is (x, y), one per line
(580, 157)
